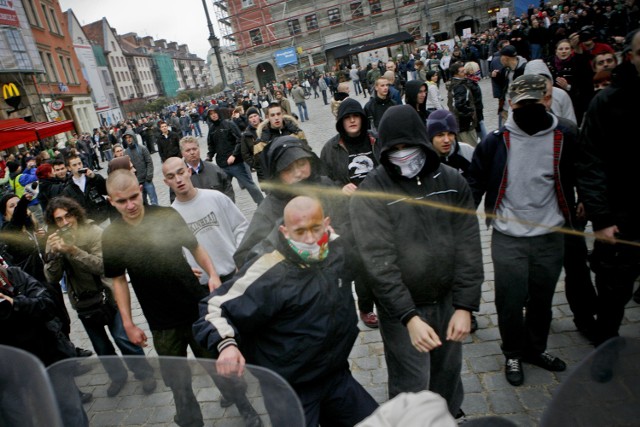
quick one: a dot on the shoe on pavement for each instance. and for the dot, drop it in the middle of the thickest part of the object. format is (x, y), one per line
(474, 324)
(369, 319)
(86, 397)
(461, 417)
(249, 415)
(513, 371)
(546, 361)
(81, 352)
(224, 403)
(149, 385)
(636, 295)
(115, 387)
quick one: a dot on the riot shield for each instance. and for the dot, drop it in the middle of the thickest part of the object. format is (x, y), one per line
(26, 396)
(178, 391)
(603, 390)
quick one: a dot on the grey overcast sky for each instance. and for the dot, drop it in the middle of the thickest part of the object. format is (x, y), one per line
(180, 21)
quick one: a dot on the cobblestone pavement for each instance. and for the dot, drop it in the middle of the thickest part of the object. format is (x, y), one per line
(486, 390)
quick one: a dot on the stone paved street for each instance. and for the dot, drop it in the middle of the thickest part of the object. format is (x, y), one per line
(486, 390)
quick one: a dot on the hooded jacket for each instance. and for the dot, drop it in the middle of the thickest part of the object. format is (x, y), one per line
(270, 210)
(606, 174)
(264, 134)
(335, 154)
(412, 88)
(416, 254)
(223, 140)
(295, 318)
(375, 108)
(462, 103)
(561, 104)
(489, 173)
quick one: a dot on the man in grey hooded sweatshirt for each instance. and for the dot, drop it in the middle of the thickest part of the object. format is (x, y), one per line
(526, 169)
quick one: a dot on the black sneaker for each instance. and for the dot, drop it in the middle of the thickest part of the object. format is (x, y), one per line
(461, 417)
(513, 371)
(81, 352)
(86, 397)
(115, 387)
(249, 415)
(474, 324)
(546, 361)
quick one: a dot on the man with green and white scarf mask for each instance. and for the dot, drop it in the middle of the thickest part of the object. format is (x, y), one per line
(290, 309)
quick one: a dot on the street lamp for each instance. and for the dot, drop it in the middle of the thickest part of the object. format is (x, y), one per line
(215, 45)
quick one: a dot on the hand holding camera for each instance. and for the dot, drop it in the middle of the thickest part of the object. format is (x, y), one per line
(61, 241)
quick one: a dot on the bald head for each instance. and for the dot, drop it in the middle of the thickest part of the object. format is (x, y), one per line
(120, 180)
(301, 206)
(390, 75)
(177, 175)
(304, 220)
(343, 87)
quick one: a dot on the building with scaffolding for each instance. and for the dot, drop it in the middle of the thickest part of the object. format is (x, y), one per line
(326, 34)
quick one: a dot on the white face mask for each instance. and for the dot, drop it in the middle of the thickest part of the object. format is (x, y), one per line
(410, 160)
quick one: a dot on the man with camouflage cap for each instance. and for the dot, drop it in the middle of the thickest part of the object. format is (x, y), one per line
(526, 169)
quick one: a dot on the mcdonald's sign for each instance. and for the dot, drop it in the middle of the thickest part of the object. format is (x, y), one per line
(11, 94)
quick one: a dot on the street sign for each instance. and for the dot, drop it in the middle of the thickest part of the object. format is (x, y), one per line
(286, 56)
(56, 105)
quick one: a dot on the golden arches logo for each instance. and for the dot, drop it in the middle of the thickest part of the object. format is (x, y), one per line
(10, 90)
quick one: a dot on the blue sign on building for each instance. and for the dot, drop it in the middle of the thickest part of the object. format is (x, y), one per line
(286, 56)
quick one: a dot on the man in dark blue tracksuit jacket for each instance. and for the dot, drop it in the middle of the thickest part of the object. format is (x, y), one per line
(291, 310)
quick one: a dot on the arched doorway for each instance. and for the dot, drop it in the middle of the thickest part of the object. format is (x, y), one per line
(265, 73)
(463, 22)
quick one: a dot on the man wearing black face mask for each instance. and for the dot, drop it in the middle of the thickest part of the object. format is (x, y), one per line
(425, 263)
(526, 170)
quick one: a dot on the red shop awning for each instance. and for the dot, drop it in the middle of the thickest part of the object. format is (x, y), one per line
(19, 131)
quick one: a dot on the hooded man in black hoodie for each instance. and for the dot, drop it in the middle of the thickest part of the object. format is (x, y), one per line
(348, 158)
(426, 262)
(223, 142)
(415, 94)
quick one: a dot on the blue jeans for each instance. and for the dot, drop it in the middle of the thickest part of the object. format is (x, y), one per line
(303, 107)
(196, 128)
(242, 173)
(536, 51)
(108, 155)
(356, 87)
(103, 347)
(150, 190)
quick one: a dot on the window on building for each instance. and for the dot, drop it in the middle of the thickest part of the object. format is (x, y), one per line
(247, 3)
(52, 66)
(113, 46)
(73, 71)
(415, 31)
(118, 76)
(375, 6)
(65, 70)
(334, 15)
(45, 12)
(312, 22)
(294, 27)
(16, 44)
(54, 21)
(435, 27)
(32, 14)
(256, 36)
(112, 100)
(356, 9)
(105, 77)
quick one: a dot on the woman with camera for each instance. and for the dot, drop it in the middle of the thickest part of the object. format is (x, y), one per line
(75, 249)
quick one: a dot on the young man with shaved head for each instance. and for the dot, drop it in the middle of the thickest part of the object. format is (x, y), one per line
(147, 243)
(293, 309)
(216, 222)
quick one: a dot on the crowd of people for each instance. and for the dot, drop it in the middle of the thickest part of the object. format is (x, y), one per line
(388, 205)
